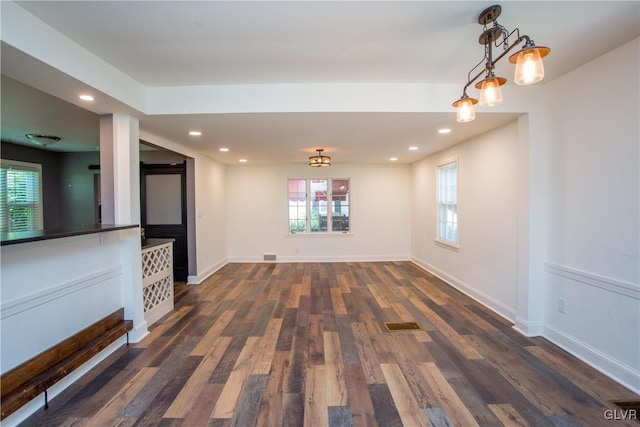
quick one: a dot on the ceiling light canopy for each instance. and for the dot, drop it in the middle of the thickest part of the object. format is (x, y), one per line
(43, 140)
(528, 60)
(319, 160)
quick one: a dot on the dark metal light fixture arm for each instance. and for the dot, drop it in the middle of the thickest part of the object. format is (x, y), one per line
(469, 79)
(506, 35)
(495, 61)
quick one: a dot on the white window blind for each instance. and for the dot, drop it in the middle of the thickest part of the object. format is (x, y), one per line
(297, 205)
(448, 202)
(20, 196)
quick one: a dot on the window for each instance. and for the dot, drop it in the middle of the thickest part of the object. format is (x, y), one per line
(20, 196)
(297, 205)
(448, 203)
(318, 205)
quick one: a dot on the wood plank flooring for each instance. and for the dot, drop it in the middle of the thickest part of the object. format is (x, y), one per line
(305, 345)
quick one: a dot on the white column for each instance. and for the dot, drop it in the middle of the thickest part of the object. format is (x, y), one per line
(530, 299)
(120, 169)
(120, 199)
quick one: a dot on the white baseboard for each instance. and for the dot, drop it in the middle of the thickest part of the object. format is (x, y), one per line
(37, 404)
(196, 280)
(625, 375)
(138, 332)
(528, 329)
(322, 258)
(491, 303)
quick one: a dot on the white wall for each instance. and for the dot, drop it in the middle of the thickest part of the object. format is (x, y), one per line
(77, 281)
(592, 217)
(72, 307)
(380, 214)
(211, 217)
(485, 265)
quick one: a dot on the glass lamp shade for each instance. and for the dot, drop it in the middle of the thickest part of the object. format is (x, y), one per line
(529, 67)
(465, 111)
(490, 92)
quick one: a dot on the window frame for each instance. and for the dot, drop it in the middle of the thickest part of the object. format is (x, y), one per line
(4, 204)
(441, 239)
(306, 205)
(308, 208)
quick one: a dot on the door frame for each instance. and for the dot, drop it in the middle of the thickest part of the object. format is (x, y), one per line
(167, 169)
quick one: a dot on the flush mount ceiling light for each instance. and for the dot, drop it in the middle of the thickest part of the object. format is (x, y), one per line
(528, 60)
(319, 160)
(43, 140)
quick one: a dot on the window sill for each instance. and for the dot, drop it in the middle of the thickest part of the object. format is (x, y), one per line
(319, 234)
(447, 245)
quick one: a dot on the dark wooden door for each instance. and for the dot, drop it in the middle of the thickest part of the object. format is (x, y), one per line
(163, 209)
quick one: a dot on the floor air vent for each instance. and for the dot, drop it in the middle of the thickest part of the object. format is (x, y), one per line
(269, 257)
(404, 326)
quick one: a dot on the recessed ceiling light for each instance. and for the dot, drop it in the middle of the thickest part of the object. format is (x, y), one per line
(86, 97)
(445, 130)
(223, 149)
(394, 159)
(243, 160)
(195, 133)
(414, 148)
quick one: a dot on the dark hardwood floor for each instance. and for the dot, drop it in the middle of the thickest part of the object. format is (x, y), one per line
(180, 289)
(305, 345)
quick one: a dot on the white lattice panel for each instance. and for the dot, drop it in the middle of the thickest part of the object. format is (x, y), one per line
(157, 292)
(157, 281)
(156, 260)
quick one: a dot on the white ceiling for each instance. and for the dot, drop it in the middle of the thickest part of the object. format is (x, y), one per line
(204, 43)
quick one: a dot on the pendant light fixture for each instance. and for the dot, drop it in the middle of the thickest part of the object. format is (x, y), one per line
(43, 140)
(529, 68)
(319, 160)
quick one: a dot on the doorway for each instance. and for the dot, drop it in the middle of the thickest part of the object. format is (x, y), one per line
(163, 209)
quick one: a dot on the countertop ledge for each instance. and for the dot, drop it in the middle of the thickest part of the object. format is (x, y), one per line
(37, 235)
(150, 242)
